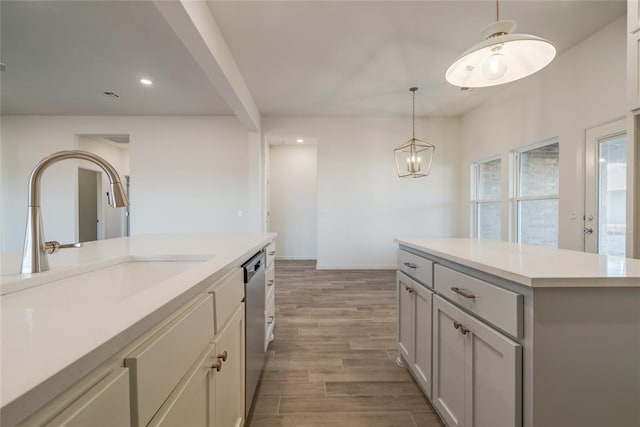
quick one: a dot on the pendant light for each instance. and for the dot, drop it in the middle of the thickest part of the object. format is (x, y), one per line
(413, 158)
(501, 57)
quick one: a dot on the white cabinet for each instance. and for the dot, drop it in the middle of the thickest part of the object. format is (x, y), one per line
(414, 328)
(106, 404)
(477, 371)
(192, 402)
(229, 380)
(269, 295)
(633, 54)
(159, 364)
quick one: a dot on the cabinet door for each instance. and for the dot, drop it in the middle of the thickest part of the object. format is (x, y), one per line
(405, 317)
(269, 321)
(191, 402)
(421, 367)
(106, 404)
(229, 386)
(633, 70)
(493, 369)
(448, 363)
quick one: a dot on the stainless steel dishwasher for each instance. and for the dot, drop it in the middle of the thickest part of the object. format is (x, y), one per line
(254, 288)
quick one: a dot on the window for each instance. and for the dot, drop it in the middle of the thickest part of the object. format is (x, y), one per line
(485, 199)
(535, 193)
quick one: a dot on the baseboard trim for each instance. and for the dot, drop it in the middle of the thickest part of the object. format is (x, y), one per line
(356, 267)
(295, 258)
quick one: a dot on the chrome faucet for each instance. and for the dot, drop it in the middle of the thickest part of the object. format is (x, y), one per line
(34, 256)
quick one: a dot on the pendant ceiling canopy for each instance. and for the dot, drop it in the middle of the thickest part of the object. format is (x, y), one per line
(502, 57)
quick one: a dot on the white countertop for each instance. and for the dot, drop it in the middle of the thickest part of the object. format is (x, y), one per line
(533, 266)
(72, 325)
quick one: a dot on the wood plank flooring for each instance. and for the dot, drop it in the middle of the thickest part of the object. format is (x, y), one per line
(332, 362)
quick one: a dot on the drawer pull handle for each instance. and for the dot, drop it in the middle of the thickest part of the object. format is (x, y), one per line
(217, 366)
(459, 326)
(270, 283)
(411, 265)
(272, 253)
(463, 293)
(271, 320)
(223, 356)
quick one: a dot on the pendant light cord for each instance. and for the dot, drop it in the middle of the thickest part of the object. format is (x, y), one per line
(497, 11)
(414, 114)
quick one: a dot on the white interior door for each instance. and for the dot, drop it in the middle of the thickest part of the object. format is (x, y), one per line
(89, 205)
(605, 222)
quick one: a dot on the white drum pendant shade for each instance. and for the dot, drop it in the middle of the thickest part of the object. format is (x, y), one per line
(501, 58)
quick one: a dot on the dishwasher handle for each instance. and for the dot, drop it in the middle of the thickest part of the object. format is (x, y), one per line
(253, 266)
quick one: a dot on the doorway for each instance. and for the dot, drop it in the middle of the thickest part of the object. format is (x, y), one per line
(109, 223)
(89, 190)
(605, 222)
(292, 196)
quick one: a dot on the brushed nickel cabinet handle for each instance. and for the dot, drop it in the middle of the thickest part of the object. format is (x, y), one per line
(459, 326)
(463, 293)
(411, 265)
(272, 253)
(269, 282)
(223, 356)
(217, 366)
(270, 321)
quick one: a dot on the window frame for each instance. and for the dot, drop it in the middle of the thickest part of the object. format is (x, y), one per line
(475, 201)
(514, 187)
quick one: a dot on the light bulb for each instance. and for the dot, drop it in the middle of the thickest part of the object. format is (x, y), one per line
(496, 65)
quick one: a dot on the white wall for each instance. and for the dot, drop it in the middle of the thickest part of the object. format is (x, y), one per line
(362, 204)
(293, 200)
(188, 174)
(583, 87)
(112, 219)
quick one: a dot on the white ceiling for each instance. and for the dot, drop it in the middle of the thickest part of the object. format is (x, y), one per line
(62, 55)
(297, 57)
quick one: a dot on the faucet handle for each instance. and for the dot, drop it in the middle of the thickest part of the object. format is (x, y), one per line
(54, 246)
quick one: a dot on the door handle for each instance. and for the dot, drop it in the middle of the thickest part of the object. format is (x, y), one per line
(587, 230)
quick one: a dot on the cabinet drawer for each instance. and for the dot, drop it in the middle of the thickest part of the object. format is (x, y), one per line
(160, 363)
(499, 306)
(415, 266)
(271, 253)
(226, 298)
(192, 401)
(269, 288)
(106, 404)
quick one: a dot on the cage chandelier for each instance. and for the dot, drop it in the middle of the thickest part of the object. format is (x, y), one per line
(414, 157)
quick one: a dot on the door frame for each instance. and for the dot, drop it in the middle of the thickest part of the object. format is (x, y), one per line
(593, 136)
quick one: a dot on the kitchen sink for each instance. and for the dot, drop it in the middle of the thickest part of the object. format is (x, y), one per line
(116, 278)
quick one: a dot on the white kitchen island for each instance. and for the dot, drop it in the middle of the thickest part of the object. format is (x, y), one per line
(68, 330)
(501, 334)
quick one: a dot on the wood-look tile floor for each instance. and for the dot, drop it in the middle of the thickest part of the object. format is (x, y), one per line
(332, 362)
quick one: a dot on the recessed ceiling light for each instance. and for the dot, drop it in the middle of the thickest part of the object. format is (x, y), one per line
(146, 82)
(299, 140)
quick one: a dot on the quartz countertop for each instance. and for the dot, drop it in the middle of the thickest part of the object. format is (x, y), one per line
(533, 266)
(58, 326)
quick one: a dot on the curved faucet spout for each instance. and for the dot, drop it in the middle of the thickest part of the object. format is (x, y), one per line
(34, 257)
